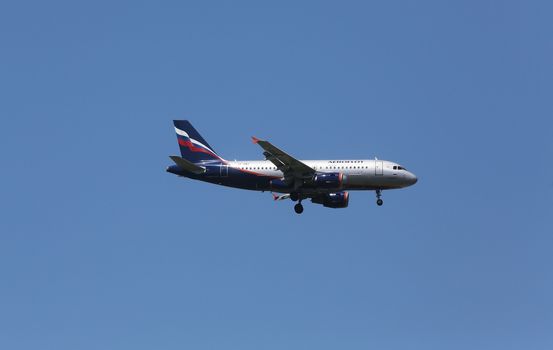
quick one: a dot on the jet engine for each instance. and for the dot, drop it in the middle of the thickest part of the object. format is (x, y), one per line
(333, 200)
(329, 180)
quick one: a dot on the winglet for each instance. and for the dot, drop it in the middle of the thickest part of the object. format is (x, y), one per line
(255, 139)
(275, 197)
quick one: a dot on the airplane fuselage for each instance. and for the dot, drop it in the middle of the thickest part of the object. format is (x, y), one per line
(257, 175)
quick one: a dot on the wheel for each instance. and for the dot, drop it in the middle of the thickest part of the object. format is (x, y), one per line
(294, 196)
(298, 208)
(379, 202)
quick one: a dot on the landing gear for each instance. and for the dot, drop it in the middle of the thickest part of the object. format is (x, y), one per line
(379, 201)
(298, 208)
(294, 196)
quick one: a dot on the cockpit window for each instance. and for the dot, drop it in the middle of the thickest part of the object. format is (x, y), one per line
(395, 167)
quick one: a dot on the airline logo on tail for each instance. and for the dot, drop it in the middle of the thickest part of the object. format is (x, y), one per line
(192, 146)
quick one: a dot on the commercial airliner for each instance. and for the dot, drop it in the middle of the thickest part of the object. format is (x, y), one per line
(325, 182)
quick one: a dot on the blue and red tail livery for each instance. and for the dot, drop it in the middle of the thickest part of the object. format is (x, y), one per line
(325, 182)
(192, 145)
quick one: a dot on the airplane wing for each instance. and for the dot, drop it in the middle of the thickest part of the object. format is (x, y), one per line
(290, 166)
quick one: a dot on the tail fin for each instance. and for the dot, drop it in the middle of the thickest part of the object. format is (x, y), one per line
(193, 147)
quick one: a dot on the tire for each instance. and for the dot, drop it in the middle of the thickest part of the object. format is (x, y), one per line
(298, 208)
(379, 202)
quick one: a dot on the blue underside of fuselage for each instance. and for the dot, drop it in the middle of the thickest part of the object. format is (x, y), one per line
(231, 177)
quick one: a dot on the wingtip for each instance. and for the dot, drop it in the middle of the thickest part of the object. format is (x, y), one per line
(255, 139)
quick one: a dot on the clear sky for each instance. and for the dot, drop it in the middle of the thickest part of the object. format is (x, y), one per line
(101, 249)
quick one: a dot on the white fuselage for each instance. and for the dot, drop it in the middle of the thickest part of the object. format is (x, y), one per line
(362, 174)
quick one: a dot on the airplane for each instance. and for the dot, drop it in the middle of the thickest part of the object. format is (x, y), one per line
(325, 182)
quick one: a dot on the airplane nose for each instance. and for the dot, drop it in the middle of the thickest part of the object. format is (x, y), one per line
(412, 179)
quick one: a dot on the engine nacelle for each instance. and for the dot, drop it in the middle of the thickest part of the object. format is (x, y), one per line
(333, 200)
(329, 180)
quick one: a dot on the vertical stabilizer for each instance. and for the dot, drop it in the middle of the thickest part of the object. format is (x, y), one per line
(192, 145)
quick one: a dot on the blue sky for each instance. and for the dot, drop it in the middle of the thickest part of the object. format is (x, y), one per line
(101, 249)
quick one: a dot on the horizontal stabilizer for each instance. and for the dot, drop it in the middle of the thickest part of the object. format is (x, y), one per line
(187, 165)
(277, 197)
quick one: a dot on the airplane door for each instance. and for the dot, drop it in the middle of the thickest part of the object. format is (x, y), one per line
(224, 170)
(378, 167)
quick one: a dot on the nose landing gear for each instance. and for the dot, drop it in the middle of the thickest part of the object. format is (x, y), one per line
(379, 201)
(298, 208)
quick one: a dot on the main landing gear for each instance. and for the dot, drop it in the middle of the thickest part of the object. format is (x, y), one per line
(298, 208)
(379, 201)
